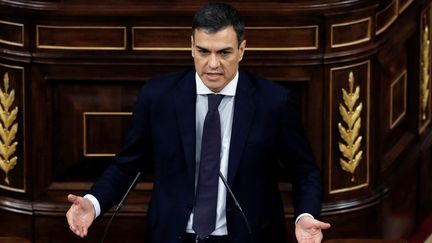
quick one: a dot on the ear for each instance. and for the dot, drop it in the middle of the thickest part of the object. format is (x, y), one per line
(242, 49)
(192, 45)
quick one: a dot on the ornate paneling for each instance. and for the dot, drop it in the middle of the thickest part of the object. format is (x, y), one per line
(398, 99)
(161, 38)
(297, 38)
(349, 115)
(90, 123)
(81, 37)
(99, 137)
(11, 33)
(404, 4)
(264, 38)
(386, 16)
(12, 127)
(360, 31)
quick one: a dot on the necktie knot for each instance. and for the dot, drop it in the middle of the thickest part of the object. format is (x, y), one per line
(213, 101)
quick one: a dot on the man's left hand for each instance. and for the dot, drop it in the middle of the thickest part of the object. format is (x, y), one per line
(309, 230)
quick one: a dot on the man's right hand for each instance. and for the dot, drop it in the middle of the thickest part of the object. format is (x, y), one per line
(80, 215)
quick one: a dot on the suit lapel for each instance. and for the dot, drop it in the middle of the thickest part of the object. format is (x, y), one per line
(244, 110)
(185, 110)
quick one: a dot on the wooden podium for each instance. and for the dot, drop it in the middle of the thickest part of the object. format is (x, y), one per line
(70, 72)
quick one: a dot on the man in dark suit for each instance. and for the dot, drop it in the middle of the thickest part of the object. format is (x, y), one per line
(207, 121)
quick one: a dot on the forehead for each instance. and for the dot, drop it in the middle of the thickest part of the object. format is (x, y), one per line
(223, 36)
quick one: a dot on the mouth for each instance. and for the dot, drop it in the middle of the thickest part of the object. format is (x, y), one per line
(213, 76)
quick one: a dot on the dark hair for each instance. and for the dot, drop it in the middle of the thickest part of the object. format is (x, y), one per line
(214, 17)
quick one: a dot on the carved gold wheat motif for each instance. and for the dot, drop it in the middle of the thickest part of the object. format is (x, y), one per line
(425, 76)
(8, 129)
(350, 113)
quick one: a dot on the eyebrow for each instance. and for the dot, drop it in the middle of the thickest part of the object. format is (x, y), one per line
(221, 50)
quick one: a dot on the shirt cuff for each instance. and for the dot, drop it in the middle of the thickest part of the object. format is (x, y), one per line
(303, 214)
(95, 203)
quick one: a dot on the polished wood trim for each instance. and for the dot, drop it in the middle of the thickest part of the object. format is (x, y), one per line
(347, 24)
(288, 48)
(315, 28)
(405, 6)
(157, 48)
(96, 113)
(70, 47)
(13, 43)
(394, 4)
(403, 77)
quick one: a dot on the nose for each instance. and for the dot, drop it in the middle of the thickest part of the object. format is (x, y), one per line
(214, 61)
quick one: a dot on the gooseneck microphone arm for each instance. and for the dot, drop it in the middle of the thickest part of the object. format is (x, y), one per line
(236, 202)
(119, 206)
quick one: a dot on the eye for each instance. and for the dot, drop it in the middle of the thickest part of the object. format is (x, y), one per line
(203, 51)
(225, 53)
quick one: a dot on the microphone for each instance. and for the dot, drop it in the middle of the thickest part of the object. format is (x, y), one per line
(236, 202)
(119, 206)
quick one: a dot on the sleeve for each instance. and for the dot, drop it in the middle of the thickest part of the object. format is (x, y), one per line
(113, 183)
(297, 157)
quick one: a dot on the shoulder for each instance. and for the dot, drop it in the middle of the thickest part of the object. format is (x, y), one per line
(171, 79)
(265, 87)
(164, 83)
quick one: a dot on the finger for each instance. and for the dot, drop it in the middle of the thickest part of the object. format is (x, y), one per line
(320, 225)
(76, 231)
(323, 225)
(72, 228)
(71, 198)
(85, 231)
(82, 232)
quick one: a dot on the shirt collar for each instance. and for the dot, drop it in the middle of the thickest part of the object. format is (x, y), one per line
(228, 90)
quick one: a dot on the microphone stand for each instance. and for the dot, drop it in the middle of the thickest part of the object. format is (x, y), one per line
(119, 206)
(236, 202)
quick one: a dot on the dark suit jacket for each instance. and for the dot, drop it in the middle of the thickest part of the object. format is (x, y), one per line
(265, 131)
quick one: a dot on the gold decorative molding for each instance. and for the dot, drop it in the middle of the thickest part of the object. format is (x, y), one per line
(350, 113)
(13, 43)
(85, 129)
(402, 77)
(8, 129)
(70, 47)
(17, 187)
(347, 24)
(361, 184)
(425, 73)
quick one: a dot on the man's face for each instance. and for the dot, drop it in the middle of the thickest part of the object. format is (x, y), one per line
(216, 56)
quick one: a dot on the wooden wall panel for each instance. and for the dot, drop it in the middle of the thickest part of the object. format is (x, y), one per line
(76, 72)
(81, 37)
(161, 38)
(351, 32)
(386, 16)
(11, 33)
